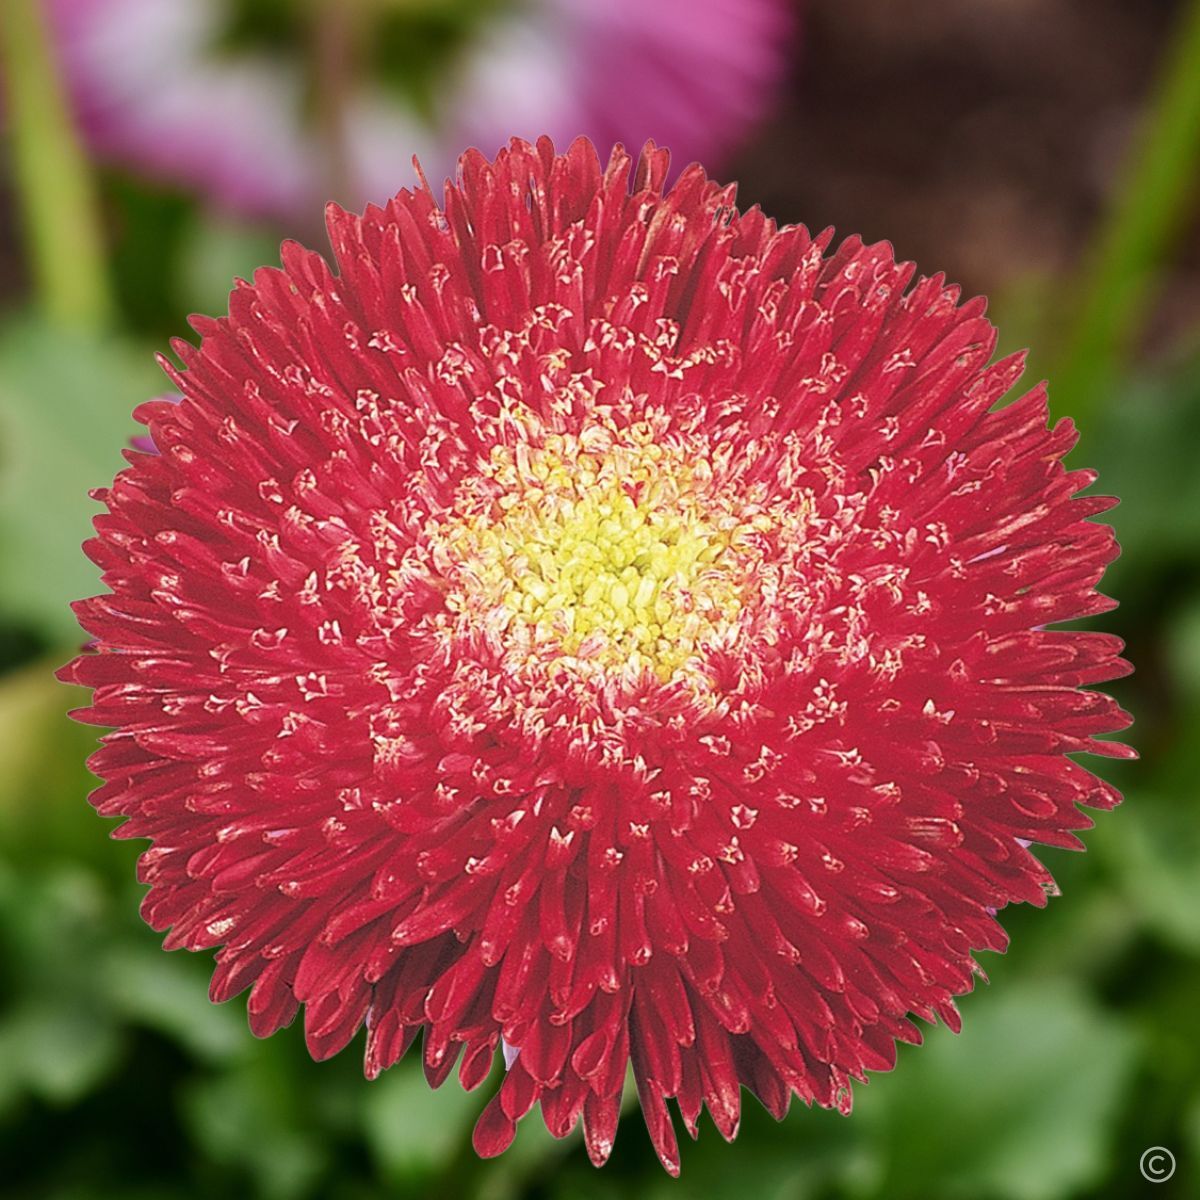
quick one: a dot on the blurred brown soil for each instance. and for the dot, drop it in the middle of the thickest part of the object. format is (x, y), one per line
(981, 137)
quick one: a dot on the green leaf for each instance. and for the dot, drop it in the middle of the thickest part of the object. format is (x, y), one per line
(410, 1129)
(1158, 859)
(168, 992)
(218, 250)
(43, 776)
(57, 1048)
(1020, 1106)
(65, 404)
(1144, 449)
(247, 1118)
(1191, 1129)
(1182, 657)
(58, 1038)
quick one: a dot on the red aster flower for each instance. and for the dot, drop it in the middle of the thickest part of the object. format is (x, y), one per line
(597, 622)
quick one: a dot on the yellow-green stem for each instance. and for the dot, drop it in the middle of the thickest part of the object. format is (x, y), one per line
(1118, 282)
(51, 176)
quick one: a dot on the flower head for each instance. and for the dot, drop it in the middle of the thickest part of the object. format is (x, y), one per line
(173, 89)
(600, 625)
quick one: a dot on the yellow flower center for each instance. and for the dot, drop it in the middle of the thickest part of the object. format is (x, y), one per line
(608, 551)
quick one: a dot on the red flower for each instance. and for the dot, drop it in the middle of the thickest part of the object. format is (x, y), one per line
(601, 621)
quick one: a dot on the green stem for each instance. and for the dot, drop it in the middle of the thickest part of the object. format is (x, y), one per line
(53, 184)
(1117, 285)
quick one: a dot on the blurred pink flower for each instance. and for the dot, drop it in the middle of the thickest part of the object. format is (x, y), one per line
(154, 90)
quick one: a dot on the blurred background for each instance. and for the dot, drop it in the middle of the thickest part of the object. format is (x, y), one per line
(1045, 152)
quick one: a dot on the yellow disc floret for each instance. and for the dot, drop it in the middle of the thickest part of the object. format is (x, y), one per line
(604, 551)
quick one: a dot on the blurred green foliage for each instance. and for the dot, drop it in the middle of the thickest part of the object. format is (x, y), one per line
(119, 1079)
